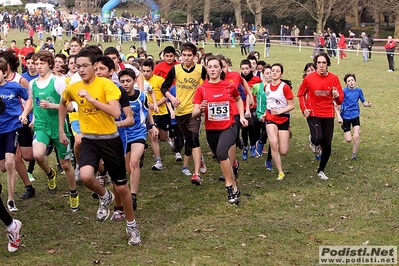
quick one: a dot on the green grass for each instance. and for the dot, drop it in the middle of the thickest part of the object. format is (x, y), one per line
(276, 223)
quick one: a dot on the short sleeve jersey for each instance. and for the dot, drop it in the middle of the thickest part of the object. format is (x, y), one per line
(277, 97)
(92, 120)
(10, 93)
(220, 97)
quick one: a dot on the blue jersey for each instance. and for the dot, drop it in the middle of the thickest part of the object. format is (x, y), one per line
(350, 106)
(10, 93)
(29, 77)
(173, 92)
(138, 103)
(124, 102)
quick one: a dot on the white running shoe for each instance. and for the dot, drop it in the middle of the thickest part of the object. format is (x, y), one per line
(315, 149)
(134, 236)
(103, 208)
(203, 166)
(13, 237)
(157, 166)
(178, 157)
(11, 206)
(186, 172)
(322, 175)
(77, 174)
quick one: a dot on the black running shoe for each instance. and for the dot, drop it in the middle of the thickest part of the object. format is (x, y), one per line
(28, 194)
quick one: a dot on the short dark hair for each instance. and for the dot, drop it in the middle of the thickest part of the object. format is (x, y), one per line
(11, 59)
(111, 50)
(149, 63)
(62, 56)
(169, 49)
(106, 61)
(348, 76)
(279, 65)
(189, 46)
(245, 62)
(325, 55)
(76, 39)
(86, 53)
(94, 49)
(127, 72)
(252, 57)
(29, 56)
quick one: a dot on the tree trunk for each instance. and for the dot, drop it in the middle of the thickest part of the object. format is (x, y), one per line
(396, 33)
(258, 17)
(190, 16)
(356, 14)
(207, 10)
(237, 12)
(376, 18)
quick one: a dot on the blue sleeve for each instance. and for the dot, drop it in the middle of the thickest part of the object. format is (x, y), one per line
(242, 92)
(172, 91)
(361, 95)
(23, 93)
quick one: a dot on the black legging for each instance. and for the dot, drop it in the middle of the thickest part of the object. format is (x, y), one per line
(321, 131)
(252, 130)
(4, 215)
(243, 50)
(220, 141)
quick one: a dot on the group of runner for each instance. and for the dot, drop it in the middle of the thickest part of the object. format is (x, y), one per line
(112, 105)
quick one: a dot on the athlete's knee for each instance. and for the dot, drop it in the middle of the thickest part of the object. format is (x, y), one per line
(122, 190)
(134, 164)
(9, 164)
(39, 157)
(193, 140)
(66, 165)
(222, 155)
(86, 173)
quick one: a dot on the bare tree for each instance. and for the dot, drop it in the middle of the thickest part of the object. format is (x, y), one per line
(256, 7)
(189, 9)
(237, 11)
(319, 10)
(207, 10)
(376, 8)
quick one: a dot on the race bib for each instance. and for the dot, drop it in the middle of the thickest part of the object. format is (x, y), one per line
(219, 111)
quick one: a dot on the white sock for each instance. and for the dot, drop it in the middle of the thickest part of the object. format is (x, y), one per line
(12, 226)
(131, 224)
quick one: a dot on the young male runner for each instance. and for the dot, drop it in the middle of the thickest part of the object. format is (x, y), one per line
(187, 76)
(97, 99)
(47, 90)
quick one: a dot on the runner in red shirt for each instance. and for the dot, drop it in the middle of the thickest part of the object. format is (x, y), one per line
(169, 55)
(317, 94)
(216, 97)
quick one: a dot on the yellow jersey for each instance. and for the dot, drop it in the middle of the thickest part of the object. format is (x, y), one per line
(156, 84)
(186, 84)
(92, 120)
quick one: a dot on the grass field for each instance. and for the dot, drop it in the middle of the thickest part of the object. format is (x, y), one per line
(276, 223)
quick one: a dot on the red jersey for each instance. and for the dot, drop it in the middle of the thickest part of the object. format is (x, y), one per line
(25, 51)
(162, 69)
(221, 98)
(254, 80)
(315, 93)
(235, 78)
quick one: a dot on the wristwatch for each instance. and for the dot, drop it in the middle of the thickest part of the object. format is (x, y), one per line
(154, 125)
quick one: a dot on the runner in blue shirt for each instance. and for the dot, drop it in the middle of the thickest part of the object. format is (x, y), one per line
(350, 111)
